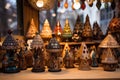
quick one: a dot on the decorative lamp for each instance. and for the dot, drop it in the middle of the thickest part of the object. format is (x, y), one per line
(38, 55)
(77, 31)
(109, 61)
(46, 32)
(58, 31)
(97, 32)
(83, 57)
(67, 33)
(54, 49)
(83, 6)
(31, 30)
(10, 60)
(87, 33)
(42, 4)
(68, 57)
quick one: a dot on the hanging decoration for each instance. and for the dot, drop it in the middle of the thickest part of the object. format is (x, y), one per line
(98, 4)
(76, 4)
(83, 6)
(66, 4)
(113, 4)
(90, 2)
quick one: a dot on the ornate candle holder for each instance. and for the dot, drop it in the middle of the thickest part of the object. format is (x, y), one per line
(54, 50)
(83, 57)
(46, 32)
(109, 61)
(38, 55)
(10, 59)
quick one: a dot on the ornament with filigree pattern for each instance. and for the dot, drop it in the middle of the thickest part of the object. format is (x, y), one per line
(54, 49)
(38, 55)
(67, 33)
(10, 59)
(32, 30)
(87, 32)
(46, 32)
(77, 31)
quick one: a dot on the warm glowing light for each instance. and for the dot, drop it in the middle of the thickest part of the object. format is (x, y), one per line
(76, 5)
(40, 3)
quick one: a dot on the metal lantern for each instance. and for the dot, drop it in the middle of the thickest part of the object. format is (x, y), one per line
(54, 49)
(10, 59)
(38, 54)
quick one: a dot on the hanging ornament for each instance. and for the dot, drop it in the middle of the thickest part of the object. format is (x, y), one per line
(58, 3)
(66, 4)
(73, 5)
(90, 2)
(113, 5)
(83, 6)
(76, 4)
(98, 4)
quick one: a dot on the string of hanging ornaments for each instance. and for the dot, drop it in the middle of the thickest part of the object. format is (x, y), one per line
(80, 4)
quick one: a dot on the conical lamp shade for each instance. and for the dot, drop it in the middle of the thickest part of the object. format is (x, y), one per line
(37, 42)
(32, 30)
(46, 30)
(83, 53)
(109, 42)
(58, 29)
(87, 31)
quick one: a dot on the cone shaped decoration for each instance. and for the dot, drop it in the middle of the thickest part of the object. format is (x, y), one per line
(37, 42)
(87, 33)
(10, 60)
(58, 31)
(98, 4)
(67, 33)
(10, 42)
(109, 42)
(54, 50)
(97, 32)
(65, 47)
(77, 32)
(68, 58)
(46, 32)
(83, 56)
(38, 47)
(32, 30)
(109, 63)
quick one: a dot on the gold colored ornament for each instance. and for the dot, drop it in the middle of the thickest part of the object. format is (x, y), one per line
(46, 32)
(32, 30)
